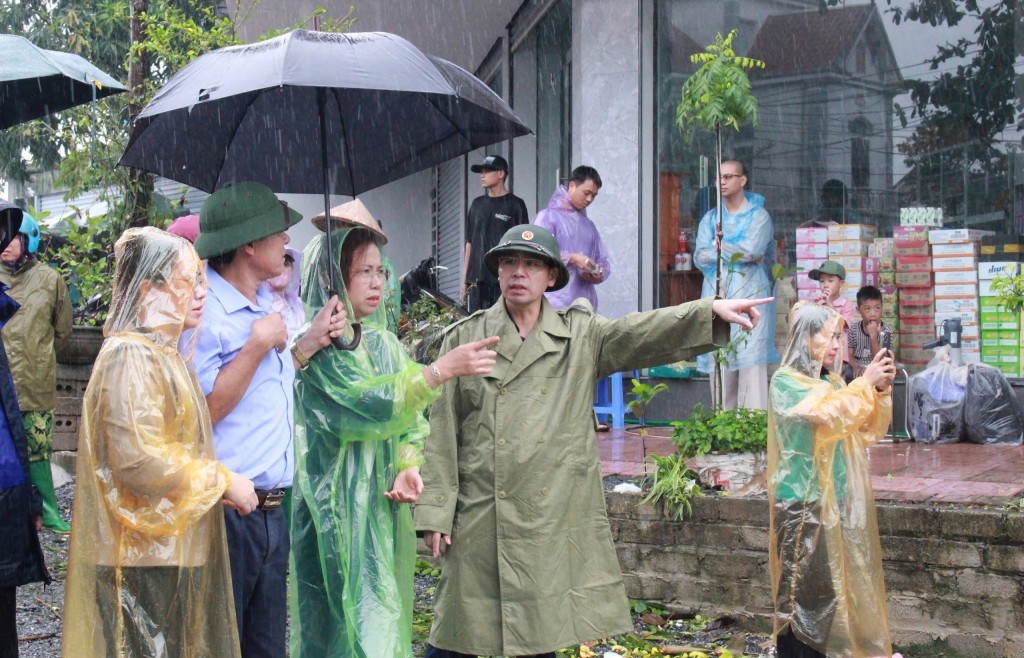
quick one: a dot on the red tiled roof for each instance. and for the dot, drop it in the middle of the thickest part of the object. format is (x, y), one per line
(810, 41)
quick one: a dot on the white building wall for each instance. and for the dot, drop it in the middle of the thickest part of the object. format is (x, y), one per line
(402, 208)
(606, 121)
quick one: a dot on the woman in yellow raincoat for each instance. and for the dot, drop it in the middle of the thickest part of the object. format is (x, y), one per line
(148, 571)
(359, 431)
(825, 555)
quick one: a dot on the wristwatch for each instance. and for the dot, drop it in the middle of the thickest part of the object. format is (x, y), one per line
(299, 355)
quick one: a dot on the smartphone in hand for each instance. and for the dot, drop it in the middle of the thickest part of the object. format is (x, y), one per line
(887, 344)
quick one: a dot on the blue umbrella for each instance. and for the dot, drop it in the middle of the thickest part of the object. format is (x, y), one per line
(35, 82)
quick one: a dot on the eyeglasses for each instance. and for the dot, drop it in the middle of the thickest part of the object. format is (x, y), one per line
(368, 274)
(530, 264)
(729, 177)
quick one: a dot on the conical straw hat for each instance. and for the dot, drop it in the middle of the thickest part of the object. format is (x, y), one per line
(351, 214)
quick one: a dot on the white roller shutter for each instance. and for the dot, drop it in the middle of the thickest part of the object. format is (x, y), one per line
(448, 225)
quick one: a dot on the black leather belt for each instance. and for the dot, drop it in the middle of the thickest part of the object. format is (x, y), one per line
(269, 500)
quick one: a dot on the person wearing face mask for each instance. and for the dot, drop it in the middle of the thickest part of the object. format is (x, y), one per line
(582, 248)
(148, 570)
(825, 556)
(359, 432)
(33, 337)
(284, 293)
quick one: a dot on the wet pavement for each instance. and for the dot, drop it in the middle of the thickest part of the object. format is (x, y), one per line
(903, 472)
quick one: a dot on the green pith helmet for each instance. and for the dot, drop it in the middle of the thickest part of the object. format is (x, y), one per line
(240, 213)
(529, 239)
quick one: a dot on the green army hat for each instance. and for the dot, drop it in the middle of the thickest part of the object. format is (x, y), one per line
(828, 267)
(529, 239)
(240, 213)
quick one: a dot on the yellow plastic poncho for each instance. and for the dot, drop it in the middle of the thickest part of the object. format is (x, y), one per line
(825, 555)
(358, 422)
(148, 569)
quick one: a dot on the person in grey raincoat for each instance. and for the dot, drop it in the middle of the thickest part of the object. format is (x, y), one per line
(512, 476)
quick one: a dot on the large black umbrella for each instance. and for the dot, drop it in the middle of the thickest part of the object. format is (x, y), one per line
(315, 112)
(35, 82)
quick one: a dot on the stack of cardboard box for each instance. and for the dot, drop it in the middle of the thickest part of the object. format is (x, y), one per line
(811, 251)
(1000, 329)
(848, 245)
(880, 271)
(1001, 255)
(916, 306)
(955, 266)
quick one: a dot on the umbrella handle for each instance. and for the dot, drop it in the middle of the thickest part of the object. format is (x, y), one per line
(357, 335)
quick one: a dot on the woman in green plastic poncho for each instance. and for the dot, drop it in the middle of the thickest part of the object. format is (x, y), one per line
(358, 442)
(824, 554)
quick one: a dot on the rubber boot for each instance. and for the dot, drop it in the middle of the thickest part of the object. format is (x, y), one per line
(42, 478)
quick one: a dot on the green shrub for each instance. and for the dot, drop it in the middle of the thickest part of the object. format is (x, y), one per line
(674, 483)
(731, 430)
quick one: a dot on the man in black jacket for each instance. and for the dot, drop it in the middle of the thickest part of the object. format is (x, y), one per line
(20, 507)
(490, 215)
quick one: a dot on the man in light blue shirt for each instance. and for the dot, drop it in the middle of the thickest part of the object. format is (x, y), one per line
(246, 375)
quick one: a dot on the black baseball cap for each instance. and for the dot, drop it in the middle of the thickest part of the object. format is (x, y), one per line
(491, 163)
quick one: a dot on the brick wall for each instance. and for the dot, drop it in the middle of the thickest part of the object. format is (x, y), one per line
(955, 574)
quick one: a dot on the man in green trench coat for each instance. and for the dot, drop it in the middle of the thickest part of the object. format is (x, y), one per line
(512, 476)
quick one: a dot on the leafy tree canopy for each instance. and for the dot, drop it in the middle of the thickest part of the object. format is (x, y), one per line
(718, 93)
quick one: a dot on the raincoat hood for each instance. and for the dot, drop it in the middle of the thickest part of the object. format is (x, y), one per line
(315, 275)
(811, 325)
(755, 199)
(153, 282)
(560, 201)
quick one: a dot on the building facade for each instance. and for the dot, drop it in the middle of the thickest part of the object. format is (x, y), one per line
(598, 81)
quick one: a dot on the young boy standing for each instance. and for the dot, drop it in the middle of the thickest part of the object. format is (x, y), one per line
(830, 275)
(867, 335)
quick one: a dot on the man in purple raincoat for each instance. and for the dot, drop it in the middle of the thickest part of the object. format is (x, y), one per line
(583, 250)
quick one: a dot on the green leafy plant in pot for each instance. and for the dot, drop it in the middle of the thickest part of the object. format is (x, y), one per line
(720, 441)
(729, 430)
(642, 396)
(673, 484)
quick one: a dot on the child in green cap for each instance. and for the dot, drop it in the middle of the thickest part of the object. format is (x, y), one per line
(830, 275)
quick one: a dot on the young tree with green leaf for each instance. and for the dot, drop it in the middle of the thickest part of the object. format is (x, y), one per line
(718, 96)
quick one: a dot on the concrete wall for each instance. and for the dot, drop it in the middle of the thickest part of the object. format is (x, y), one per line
(951, 573)
(461, 32)
(402, 208)
(606, 133)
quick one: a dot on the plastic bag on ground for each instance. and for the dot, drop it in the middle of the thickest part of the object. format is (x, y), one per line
(992, 414)
(936, 401)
